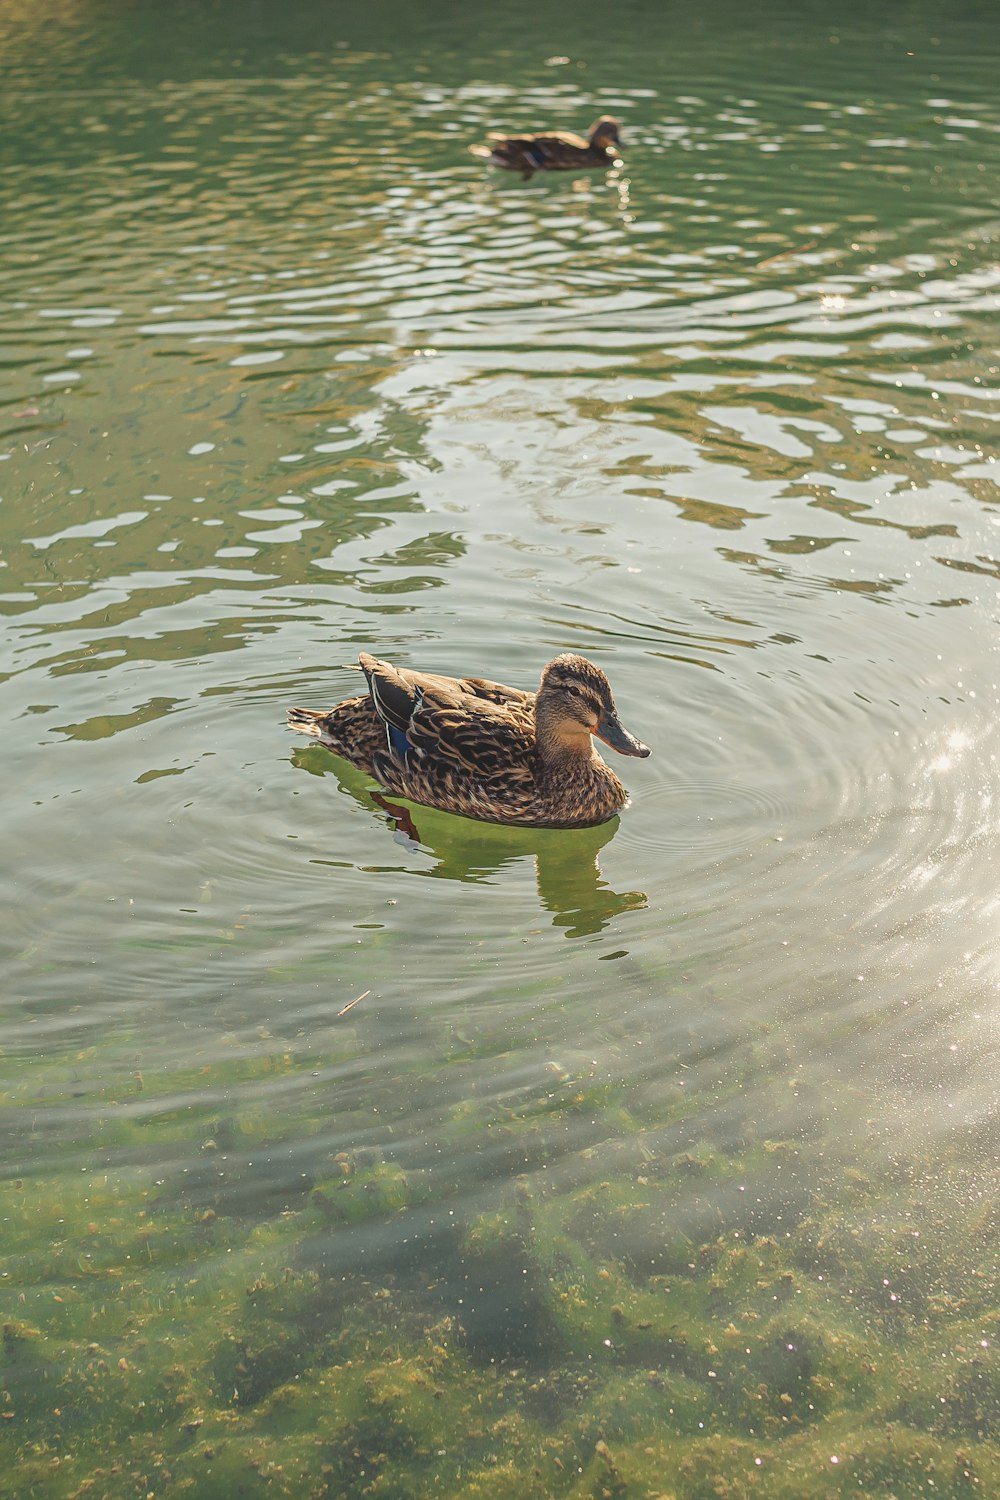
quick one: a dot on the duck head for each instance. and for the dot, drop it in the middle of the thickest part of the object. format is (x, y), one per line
(604, 133)
(574, 702)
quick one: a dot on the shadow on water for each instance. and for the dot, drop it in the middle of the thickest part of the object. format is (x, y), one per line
(567, 867)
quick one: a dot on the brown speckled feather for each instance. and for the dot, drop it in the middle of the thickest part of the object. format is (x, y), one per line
(353, 729)
(471, 746)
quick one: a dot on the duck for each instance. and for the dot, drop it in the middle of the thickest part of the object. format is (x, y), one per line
(555, 150)
(482, 749)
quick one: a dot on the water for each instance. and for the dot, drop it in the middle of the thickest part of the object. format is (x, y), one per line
(658, 1158)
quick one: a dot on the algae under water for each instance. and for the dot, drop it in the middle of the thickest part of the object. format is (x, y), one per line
(650, 1313)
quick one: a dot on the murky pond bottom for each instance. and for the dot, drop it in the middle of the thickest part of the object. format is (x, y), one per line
(280, 1306)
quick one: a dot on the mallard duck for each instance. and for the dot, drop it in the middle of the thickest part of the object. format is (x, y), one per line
(466, 745)
(553, 151)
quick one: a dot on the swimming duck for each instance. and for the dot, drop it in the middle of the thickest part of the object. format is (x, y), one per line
(470, 746)
(555, 150)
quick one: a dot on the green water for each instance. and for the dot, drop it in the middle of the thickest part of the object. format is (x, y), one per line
(658, 1159)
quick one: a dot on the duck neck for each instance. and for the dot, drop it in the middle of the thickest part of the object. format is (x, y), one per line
(561, 743)
(569, 759)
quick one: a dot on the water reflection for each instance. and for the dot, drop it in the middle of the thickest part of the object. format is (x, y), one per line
(567, 869)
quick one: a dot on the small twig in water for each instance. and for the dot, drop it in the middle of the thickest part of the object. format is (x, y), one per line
(796, 250)
(351, 1004)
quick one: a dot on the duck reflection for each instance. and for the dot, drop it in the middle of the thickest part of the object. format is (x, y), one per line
(570, 884)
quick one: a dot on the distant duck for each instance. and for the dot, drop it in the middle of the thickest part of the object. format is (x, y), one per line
(553, 151)
(474, 747)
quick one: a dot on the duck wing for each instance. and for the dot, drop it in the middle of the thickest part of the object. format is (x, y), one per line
(394, 688)
(544, 141)
(392, 692)
(516, 699)
(528, 154)
(485, 744)
(448, 726)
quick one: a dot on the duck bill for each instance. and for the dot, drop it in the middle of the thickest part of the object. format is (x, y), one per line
(612, 731)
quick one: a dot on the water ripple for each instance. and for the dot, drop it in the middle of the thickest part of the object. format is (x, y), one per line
(704, 816)
(722, 420)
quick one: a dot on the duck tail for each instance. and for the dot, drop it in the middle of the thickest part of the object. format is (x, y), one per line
(307, 721)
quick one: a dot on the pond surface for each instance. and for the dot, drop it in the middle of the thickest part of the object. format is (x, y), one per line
(349, 1152)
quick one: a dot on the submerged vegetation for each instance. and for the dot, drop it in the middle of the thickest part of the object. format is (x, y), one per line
(645, 1314)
